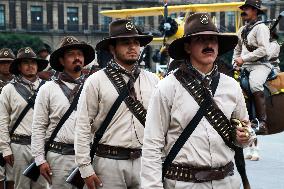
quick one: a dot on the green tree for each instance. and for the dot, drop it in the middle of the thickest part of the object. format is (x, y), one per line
(17, 41)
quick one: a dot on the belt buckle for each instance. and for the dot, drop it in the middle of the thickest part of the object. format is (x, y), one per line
(134, 155)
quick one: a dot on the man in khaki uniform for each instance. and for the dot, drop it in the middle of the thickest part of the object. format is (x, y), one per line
(197, 97)
(14, 99)
(53, 100)
(6, 58)
(117, 160)
(252, 54)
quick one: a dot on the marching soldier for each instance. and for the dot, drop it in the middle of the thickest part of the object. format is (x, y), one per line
(52, 103)
(6, 58)
(122, 84)
(188, 119)
(16, 114)
(252, 54)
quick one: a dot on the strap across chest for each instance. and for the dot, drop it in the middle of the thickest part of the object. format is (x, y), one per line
(135, 106)
(212, 113)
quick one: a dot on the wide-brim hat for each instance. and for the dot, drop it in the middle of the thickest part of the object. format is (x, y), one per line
(6, 55)
(123, 28)
(71, 42)
(201, 24)
(255, 4)
(27, 53)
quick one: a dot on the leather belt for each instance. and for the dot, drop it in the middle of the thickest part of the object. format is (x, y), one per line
(118, 153)
(61, 148)
(21, 139)
(197, 174)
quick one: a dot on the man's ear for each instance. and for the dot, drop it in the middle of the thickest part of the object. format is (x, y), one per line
(61, 61)
(187, 48)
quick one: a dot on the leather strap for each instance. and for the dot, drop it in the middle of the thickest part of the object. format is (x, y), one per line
(22, 90)
(100, 132)
(191, 126)
(69, 93)
(63, 119)
(30, 101)
(118, 153)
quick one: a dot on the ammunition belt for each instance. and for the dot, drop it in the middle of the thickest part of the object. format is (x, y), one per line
(134, 106)
(213, 114)
(21, 139)
(198, 174)
(118, 153)
(61, 148)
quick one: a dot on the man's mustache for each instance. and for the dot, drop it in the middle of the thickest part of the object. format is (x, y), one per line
(208, 49)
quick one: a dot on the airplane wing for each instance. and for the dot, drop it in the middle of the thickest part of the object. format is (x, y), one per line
(155, 11)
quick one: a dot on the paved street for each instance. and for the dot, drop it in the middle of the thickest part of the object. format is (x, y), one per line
(268, 173)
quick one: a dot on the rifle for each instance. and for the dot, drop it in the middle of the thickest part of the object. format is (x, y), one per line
(276, 22)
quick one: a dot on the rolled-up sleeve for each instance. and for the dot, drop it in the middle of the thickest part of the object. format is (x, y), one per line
(40, 124)
(157, 123)
(86, 112)
(241, 112)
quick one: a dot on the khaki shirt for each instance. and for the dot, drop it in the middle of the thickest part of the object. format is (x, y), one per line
(170, 110)
(124, 130)
(11, 106)
(259, 37)
(50, 105)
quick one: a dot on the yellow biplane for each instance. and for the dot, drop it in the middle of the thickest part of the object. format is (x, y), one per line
(187, 9)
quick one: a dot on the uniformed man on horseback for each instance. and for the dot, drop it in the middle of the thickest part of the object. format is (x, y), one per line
(252, 54)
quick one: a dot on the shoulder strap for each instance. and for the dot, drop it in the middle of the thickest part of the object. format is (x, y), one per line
(31, 101)
(100, 132)
(135, 106)
(247, 29)
(64, 118)
(70, 94)
(22, 90)
(190, 127)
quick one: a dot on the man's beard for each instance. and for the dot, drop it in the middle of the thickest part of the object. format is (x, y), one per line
(77, 68)
(128, 62)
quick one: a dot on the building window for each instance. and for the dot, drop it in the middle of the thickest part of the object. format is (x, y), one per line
(72, 19)
(231, 22)
(36, 18)
(106, 20)
(2, 17)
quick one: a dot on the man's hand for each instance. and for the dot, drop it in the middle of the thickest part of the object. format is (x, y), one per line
(45, 171)
(9, 159)
(239, 61)
(93, 181)
(243, 135)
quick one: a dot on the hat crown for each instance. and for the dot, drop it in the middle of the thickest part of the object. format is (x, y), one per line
(199, 22)
(69, 40)
(255, 3)
(122, 27)
(26, 52)
(6, 53)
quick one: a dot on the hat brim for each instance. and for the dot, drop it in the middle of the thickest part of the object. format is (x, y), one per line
(226, 43)
(143, 39)
(88, 50)
(41, 64)
(4, 60)
(248, 5)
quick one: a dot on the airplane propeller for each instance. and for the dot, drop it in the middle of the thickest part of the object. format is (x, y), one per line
(168, 26)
